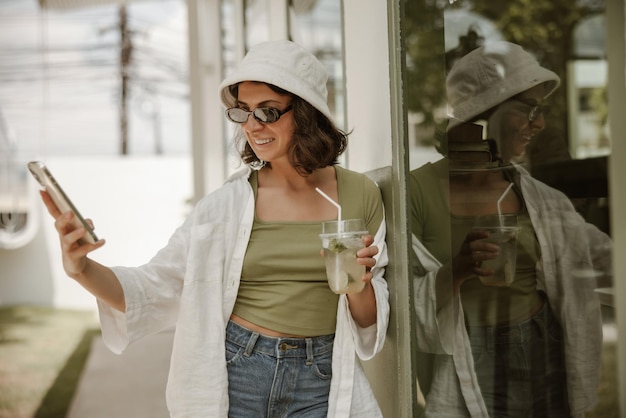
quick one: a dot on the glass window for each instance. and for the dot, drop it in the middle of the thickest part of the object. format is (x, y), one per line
(492, 134)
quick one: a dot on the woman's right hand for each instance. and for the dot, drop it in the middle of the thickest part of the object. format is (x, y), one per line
(97, 279)
(74, 252)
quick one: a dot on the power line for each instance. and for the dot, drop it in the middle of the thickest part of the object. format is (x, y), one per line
(98, 69)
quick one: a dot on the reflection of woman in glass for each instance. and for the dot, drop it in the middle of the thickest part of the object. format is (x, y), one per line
(532, 347)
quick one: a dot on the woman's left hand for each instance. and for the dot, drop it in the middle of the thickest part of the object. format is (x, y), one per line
(363, 303)
(366, 256)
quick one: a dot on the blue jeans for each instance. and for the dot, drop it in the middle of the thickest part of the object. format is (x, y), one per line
(520, 367)
(277, 377)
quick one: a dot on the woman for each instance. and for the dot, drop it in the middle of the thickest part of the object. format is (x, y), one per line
(531, 348)
(258, 331)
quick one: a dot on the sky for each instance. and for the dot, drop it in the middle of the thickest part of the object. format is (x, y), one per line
(60, 83)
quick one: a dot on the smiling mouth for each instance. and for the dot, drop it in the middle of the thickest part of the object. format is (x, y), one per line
(526, 138)
(263, 141)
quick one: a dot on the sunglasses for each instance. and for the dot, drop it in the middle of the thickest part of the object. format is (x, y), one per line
(535, 110)
(262, 114)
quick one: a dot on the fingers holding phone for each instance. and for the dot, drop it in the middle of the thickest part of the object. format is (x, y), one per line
(74, 247)
(57, 202)
(76, 234)
(65, 222)
(74, 242)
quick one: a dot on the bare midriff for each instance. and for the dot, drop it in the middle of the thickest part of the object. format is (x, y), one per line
(261, 330)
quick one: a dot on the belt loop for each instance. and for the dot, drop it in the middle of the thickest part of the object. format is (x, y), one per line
(309, 351)
(250, 345)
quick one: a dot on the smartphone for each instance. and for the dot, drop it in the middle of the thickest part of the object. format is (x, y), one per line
(50, 185)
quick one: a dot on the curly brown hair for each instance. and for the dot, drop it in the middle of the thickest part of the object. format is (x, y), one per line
(317, 142)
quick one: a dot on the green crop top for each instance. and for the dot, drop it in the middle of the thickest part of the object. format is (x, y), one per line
(283, 282)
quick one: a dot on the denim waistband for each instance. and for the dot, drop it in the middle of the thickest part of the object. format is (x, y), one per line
(543, 322)
(280, 347)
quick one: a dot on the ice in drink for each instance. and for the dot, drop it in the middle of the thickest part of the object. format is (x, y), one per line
(343, 272)
(341, 242)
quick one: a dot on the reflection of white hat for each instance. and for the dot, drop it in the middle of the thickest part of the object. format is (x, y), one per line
(286, 65)
(491, 74)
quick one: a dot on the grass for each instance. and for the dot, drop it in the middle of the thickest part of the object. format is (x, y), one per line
(42, 354)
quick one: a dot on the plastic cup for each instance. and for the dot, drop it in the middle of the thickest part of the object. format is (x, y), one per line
(341, 240)
(503, 230)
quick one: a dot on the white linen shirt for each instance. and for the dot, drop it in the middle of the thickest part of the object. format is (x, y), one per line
(192, 284)
(575, 259)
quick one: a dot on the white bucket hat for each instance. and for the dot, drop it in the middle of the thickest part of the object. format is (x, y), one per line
(283, 64)
(489, 75)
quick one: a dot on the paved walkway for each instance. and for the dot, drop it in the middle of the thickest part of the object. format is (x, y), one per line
(130, 385)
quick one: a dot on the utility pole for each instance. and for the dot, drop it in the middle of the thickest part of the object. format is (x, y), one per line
(126, 49)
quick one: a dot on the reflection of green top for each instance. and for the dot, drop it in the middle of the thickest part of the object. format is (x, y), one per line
(283, 282)
(492, 305)
(443, 235)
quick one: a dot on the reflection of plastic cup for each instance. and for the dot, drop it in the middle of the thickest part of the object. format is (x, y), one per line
(341, 243)
(503, 230)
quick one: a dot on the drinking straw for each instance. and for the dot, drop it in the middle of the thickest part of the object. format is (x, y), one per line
(337, 205)
(339, 231)
(500, 217)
